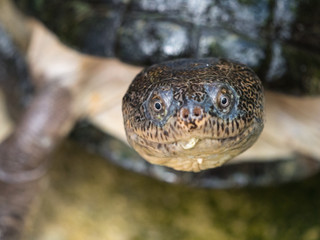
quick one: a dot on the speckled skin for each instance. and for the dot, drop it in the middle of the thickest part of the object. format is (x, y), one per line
(193, 114)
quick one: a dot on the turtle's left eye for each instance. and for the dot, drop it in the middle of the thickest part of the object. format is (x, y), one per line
(223, 97)
(223, 100)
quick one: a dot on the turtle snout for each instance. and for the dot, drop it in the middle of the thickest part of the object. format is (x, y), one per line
(191, 113)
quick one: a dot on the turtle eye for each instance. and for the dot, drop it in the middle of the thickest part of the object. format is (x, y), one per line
(223, 98)
(224, 101)
(157, 106)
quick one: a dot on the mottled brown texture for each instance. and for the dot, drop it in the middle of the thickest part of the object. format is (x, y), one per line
(210, 110)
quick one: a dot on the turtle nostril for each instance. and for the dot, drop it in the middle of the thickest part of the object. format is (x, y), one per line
(189, 114)
(197, 112)
(185, 113)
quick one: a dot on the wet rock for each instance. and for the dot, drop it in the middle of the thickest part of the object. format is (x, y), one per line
(97, 39)
(301, 70)
(148, 41)
(223, 43)
(306, 27)
(244, 17)
(146, 32)
(192, 11)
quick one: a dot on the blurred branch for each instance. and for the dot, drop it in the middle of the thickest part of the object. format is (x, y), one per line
(15, 24)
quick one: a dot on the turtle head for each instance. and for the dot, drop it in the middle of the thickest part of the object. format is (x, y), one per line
(193, 114)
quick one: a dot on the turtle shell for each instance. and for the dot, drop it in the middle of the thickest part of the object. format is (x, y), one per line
(278, 39)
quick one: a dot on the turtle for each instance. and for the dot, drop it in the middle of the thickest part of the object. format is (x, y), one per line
(55, 84)
(274, 39)
(193, 115)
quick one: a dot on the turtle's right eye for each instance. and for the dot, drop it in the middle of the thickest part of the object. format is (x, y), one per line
(157, 105)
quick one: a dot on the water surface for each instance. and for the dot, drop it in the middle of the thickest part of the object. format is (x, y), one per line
(88, 198)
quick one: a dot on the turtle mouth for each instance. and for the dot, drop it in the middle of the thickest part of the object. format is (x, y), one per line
(190, 143)
(195, 153)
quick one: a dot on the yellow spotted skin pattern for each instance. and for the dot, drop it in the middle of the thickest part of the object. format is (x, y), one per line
(193, 114)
